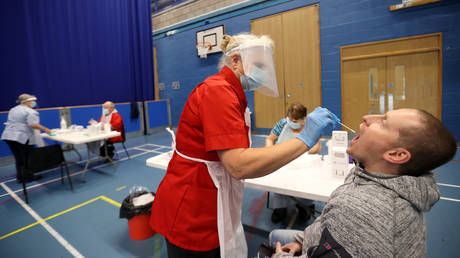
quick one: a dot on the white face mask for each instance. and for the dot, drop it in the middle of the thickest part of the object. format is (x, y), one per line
(258, 66)
(105, 111)
(33, 104)
(254, 80)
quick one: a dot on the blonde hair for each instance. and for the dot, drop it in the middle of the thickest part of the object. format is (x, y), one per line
(231, 42)
(24, 98)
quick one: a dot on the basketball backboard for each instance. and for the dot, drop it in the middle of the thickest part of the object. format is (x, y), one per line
(211, 37)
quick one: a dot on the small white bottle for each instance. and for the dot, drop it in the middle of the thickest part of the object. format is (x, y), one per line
(63, 124)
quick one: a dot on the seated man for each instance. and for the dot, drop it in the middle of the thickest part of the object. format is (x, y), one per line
(110, 116)
(379, 210)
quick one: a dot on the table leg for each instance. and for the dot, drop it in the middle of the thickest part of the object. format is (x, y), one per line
(73, 148)
(109, 158)
(87, 163)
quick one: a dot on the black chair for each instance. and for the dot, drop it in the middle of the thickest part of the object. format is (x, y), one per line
(44, 158)
(123, 135)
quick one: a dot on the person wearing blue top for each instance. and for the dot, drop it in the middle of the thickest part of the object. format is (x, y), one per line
(286, 129)
(19, 132)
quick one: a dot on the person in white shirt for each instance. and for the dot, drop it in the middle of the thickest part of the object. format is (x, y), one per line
(19, 132)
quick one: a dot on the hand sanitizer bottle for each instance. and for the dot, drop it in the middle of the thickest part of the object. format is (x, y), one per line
(63, 124)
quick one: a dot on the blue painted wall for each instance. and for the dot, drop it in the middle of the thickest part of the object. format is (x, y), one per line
(341, 23)
(178, 61)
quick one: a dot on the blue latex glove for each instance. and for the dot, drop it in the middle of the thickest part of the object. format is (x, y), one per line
(319, 122)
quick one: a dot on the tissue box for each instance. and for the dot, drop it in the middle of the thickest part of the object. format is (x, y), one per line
(339, 139)
(339, 161)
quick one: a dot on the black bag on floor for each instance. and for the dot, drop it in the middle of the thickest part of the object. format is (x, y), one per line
(136, 208)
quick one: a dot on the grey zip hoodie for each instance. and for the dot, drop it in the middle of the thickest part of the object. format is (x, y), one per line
(372, 215)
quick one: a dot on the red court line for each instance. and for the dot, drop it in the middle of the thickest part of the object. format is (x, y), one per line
(3, 177)
(22, 194)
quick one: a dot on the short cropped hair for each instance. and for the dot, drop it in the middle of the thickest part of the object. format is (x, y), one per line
(430, 145)
(297, 111)
(110, 103)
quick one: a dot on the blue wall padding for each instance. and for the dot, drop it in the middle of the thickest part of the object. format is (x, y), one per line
(4, 149)
(157, 113)
(50, 119)
(131, 125)
(341, 23)
(81, 115)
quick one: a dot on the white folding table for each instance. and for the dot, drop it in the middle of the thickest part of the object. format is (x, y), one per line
(309, 176)
(83, 137)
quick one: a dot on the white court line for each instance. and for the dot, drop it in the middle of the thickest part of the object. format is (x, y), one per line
(147, 150)
(71, 174)
(157, 145)
(45, 224)
(449, 199)
(259, 135)
(449, 185)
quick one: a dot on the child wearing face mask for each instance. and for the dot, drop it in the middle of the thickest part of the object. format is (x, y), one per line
(285, 129)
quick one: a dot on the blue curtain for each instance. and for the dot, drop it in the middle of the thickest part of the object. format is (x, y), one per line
(75, 52)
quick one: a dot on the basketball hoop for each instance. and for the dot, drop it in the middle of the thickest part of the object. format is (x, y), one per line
(203, 48)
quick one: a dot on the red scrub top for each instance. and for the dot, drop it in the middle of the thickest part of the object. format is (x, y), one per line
(185, 206)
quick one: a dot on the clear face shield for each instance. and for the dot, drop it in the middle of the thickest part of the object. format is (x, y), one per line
(259, 68)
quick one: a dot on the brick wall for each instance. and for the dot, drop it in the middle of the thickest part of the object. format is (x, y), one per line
(188, 10)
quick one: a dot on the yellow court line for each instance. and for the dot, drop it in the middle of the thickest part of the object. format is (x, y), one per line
(110, 201)
(121, 188)
(62, 212)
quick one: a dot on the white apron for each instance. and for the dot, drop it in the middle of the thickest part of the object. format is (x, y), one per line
(229, 200)
(277, 201)
(38, 138)
(286, 134)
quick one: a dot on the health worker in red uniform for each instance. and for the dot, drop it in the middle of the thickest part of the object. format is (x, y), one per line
(197, 206)
(112, 118)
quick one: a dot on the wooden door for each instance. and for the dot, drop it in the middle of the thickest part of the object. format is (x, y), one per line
(412, 82)
(302, 66)
(268, 110)
(297, 63)
(363, 90)
(408, 74)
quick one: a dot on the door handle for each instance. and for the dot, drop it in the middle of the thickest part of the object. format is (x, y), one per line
(382, 103)
(288, 96)
(390, 101)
